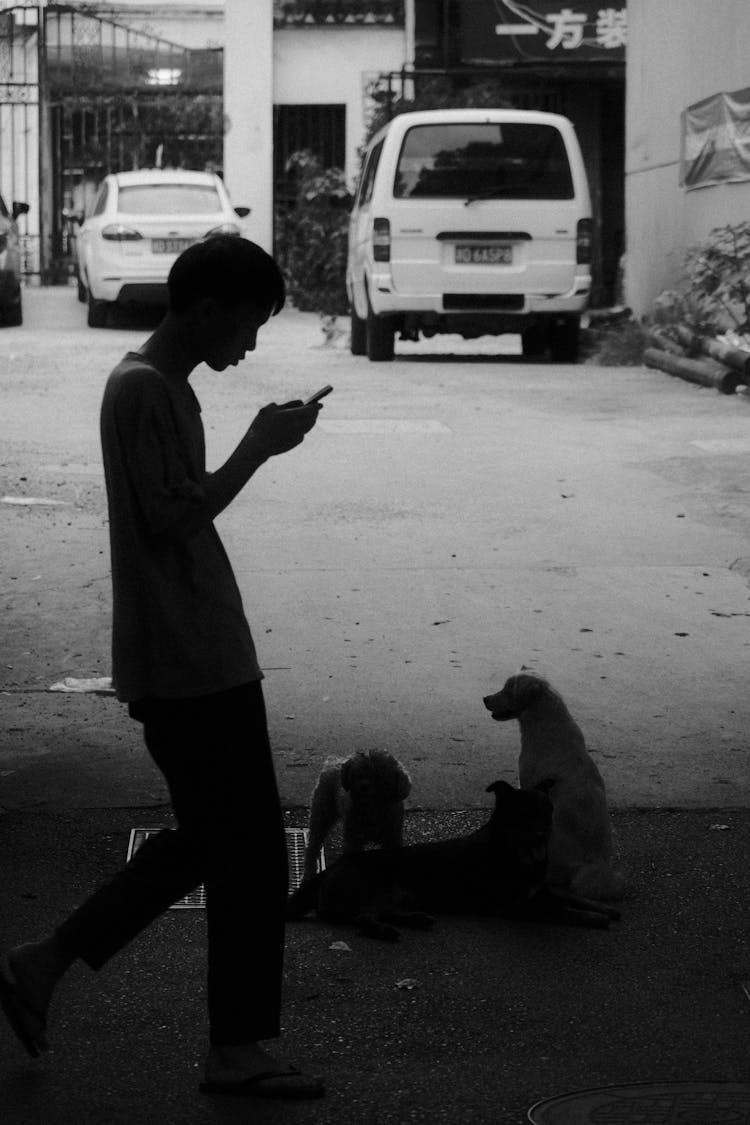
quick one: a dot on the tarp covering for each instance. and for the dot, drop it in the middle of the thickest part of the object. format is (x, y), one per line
(716, 140)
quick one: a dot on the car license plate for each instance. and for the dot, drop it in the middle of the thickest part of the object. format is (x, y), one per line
(484, 255)
(170, 245)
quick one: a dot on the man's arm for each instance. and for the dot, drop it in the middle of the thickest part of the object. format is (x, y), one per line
(275, 430)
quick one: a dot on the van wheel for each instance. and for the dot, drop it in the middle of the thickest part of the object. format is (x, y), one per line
(97, 313)
(358, 343)
(534, 340)
(13, 315)
(564, 339)
(381, 336)
(82, 290)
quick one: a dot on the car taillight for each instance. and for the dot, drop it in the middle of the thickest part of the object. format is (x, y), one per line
(118, 233)
(381, 240)
(224, 228)
(583, 242)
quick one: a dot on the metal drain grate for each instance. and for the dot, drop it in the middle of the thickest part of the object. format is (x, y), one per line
(296, 840)
(706, 1103)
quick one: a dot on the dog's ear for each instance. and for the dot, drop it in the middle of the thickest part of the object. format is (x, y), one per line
(500, 789)
(403, 784)
(347, 768)
(527, 689)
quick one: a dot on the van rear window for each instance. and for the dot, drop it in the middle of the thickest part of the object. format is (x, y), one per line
(503, 161)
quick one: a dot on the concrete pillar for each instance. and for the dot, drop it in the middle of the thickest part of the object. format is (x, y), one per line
(248, 113)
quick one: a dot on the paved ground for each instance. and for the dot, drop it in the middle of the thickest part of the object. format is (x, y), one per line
(500, 1015)
(454, 518)
(458, 518)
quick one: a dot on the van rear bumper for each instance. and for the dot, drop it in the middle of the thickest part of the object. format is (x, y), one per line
(386, 301)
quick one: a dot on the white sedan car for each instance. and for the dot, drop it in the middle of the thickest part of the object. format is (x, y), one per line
(136, 226)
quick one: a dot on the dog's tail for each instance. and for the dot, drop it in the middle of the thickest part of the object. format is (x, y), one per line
(304, 899)
(598, 881)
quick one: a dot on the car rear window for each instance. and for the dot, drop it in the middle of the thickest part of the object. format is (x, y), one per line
(508, 160)
(168, 199)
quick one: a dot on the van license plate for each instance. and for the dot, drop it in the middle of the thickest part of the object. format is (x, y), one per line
(484, 255)
(170, 245)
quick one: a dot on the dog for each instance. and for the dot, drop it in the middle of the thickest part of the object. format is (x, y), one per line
(498, 871)
(553, 752)
(366, 792)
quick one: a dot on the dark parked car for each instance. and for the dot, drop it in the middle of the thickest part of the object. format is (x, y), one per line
(11, 309)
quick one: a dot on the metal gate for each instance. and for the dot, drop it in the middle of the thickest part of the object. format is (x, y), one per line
(81, 96)
(19, 124)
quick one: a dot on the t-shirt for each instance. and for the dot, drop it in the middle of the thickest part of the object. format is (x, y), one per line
(178, 624)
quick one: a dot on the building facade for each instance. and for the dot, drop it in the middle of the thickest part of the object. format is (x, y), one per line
(682, 56)
(332, 55)
(261, 79)
(307, 65)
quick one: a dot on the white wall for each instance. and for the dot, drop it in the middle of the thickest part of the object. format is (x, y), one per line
(19, 147)
(679, 51)
(333, 65)
(248, 113)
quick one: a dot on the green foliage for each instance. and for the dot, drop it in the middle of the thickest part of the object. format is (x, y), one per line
(311, 237)
(715, 295)
(718, 276)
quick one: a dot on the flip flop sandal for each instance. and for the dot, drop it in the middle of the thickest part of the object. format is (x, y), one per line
(289, 1083)
(26, 1021)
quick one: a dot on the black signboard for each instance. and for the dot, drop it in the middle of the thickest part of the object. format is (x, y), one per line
(543, 30)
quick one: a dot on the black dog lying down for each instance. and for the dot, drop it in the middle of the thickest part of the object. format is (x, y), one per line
(497, 871)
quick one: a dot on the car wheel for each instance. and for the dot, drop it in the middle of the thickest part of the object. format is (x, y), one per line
(13, 314)
(82, 290)
(380, 333)
(97, 314)
(564, 339)
(358, 343)
(534, 340)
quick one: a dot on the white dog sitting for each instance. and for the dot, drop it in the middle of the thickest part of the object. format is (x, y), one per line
(554, 757)
(366, 792)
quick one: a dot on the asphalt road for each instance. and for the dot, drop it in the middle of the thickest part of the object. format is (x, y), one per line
(457, 514)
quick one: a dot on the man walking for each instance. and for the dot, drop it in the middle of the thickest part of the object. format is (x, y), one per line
(184, 662)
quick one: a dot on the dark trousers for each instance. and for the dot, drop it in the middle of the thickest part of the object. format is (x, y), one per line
(215, 755)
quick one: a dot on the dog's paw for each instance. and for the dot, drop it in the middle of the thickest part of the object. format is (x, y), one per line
(373, 928)
(418, 921)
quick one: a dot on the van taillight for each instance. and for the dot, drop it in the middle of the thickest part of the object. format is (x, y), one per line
(381, 240)
(583, 242)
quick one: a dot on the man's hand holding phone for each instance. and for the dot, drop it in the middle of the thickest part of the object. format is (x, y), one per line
(279, 428)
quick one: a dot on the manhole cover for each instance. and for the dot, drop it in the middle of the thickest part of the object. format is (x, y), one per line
(667, 1103)
(296, 839)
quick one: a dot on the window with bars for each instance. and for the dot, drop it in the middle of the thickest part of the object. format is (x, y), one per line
(319, 129)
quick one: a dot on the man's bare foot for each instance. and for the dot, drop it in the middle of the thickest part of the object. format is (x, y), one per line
(28, 975)
(249, 1069)
(37, 967)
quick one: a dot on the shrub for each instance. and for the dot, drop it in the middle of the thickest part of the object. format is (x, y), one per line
(311, 237)
(715, 294)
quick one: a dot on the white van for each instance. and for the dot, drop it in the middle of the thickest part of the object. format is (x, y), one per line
(472, 221)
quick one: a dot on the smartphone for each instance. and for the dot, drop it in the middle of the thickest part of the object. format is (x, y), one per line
(318, 395)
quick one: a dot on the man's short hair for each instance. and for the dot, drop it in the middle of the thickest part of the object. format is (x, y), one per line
(232, 270)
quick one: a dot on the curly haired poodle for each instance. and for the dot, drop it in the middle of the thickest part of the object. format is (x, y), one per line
(366, 792)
